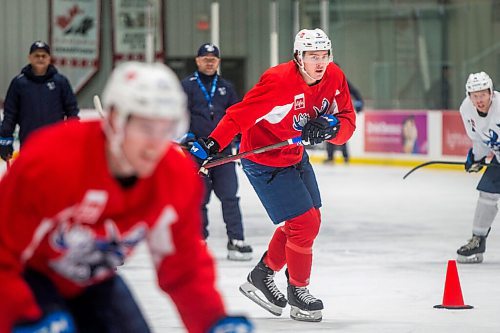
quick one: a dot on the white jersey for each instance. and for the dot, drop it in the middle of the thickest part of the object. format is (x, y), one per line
(483, 131)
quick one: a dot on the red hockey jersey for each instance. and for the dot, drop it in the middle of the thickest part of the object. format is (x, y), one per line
(63, 214)
(277, 108)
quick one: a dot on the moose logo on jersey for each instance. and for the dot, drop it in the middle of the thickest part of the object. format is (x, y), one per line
(492, 141)
(325, 108)
(299, 121)
(88, 256)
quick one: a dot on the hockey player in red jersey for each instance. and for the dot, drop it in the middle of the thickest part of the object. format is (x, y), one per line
(306, 97)
(79, 199)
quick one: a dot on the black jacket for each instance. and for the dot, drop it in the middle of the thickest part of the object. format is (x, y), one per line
(35, 101)
(203, 120)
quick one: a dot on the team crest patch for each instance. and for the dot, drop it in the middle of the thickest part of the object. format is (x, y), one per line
(325, 108)
(299, 102)
(300, 120)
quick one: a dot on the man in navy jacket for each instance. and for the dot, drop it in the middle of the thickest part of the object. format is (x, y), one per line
(209, 95)
(37, 97)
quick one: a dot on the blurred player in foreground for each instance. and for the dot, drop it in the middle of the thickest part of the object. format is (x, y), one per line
(480, 112)
(83, 195)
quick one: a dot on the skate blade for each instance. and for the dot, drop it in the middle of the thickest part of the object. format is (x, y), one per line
(304, 315)
(253, 293)
(239, 256)
(472, 259)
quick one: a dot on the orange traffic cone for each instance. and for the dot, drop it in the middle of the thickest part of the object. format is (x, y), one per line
(452, 298)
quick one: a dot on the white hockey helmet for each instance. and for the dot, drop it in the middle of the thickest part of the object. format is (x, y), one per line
(311, 40)
(477, 82)
(147, 90)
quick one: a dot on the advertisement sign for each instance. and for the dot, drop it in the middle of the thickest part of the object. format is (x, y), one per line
(74, 39)
(392, 131)
(455, 139)
(131, 20)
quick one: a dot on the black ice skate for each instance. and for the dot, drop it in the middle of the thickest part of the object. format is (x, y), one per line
(304, 306)
(472, 252)
(260, 282)
(238, 250)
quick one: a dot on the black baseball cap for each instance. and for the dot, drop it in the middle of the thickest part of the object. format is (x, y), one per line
(208, 48)
(39, 45)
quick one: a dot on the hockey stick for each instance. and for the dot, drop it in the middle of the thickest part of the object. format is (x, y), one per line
(443, 162)
(293, 141)
(231, 158)
(98, 106)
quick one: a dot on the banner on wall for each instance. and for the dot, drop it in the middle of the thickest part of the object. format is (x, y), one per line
(74, 39)
(455, 140)
(392, 131)
(130, 27)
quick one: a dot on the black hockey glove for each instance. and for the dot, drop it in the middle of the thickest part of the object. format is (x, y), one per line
(6, 148)
(320, 129)
(204, 150)
(471, 165)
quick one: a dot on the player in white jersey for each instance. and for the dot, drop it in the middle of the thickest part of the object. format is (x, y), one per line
(480, 113)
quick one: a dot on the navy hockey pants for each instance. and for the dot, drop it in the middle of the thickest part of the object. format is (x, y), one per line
(107, 307)
(223, 181)
(490, 181)
(285, 192)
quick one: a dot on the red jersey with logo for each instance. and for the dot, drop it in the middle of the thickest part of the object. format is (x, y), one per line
(277, 108)
(63, 214)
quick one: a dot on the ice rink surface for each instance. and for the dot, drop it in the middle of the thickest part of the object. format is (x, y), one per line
(379, 261)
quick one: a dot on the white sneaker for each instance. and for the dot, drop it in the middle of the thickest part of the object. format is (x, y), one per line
(238, 250)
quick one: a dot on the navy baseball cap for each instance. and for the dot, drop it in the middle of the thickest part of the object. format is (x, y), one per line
(208, 48)
(39, 45)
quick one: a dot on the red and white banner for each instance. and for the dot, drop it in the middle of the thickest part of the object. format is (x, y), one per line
(74, 39)
(455, 140)
(130, 28)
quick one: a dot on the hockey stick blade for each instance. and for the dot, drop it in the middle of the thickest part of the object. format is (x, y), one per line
(231, 158)
(98, 106)
(444, 163)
